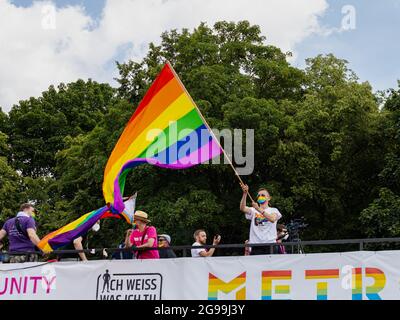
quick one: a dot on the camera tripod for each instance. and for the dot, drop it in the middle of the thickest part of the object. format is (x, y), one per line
(294, 227)
(299, 246)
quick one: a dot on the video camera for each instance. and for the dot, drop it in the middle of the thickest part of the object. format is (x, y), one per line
(294, 227)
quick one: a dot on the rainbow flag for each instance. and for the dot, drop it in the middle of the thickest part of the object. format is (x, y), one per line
(71, 231)
(166, 130)
(82, 225)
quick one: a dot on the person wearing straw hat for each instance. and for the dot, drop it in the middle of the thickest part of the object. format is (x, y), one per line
(142, 236)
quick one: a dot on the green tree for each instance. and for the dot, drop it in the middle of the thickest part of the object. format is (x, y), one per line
(327, 159)
(315, 130)
(10, 183)
(3, 120)
(323, 147)
(37, 127)
(228, 71)
(381, 217)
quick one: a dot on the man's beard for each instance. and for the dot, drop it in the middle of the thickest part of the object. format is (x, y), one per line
(202, 242)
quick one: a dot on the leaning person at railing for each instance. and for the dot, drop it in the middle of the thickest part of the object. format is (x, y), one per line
(21, 231)
(143, 236)
(123, 254)
(247, 249)
(263, 220)
(77, 244)
(200, 237)
(282, 235)
(164, 241)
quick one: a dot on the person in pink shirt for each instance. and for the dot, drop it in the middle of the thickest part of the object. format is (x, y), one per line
(143, 236)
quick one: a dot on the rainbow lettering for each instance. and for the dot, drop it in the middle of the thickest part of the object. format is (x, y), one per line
(380, 282)
(268, 277)
(322, 287)
(215, 284)
(356, 284)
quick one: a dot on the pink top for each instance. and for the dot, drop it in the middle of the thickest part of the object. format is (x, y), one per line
(136, 240)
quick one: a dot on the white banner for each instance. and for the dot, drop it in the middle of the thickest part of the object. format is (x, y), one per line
(329, 276)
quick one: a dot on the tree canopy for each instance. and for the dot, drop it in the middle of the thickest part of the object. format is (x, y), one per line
(326, 146)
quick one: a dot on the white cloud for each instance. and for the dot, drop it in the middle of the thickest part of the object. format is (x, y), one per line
(37, 49)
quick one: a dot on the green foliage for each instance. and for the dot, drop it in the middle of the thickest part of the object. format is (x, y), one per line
(3, 121)
(37, 127)
(381, 217)
(9, 182)
(323, 147)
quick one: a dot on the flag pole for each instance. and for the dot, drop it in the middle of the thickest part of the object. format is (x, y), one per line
(208, 127)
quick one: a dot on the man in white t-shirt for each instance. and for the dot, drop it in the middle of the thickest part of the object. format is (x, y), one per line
(200, 237)
(263, 220)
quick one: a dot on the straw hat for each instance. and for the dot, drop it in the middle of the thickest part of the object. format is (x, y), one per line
(142, 216)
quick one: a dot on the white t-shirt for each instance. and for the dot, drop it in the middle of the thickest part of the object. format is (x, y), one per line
(261, 229)
(196, 252)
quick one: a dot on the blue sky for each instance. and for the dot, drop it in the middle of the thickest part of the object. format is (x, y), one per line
(372, 48)
(93, 7)
(91, 34)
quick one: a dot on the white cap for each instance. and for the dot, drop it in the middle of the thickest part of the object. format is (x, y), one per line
(166, 237)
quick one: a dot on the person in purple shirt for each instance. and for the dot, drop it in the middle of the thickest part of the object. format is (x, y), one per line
(21, 232)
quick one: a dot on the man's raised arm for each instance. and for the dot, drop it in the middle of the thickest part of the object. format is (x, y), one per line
(243, 206)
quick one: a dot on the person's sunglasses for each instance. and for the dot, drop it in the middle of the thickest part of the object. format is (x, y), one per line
(162, 239)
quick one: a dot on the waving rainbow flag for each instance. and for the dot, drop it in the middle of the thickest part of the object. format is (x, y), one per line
(166, 130)
(82, 225)
(71, 231)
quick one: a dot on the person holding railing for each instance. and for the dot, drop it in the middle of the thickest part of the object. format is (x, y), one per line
(76, 245)
(263, 220)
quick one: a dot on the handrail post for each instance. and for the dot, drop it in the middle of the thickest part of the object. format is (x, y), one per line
(361, 245)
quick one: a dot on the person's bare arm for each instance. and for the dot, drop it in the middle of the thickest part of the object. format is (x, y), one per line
(128, 243)
(78, 246)
(243, 206)
(148, 244)
(33, 236)
(270, 216)
(210, 252)
(3, 233)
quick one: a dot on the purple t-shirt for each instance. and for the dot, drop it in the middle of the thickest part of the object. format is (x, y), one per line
(18, 241)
